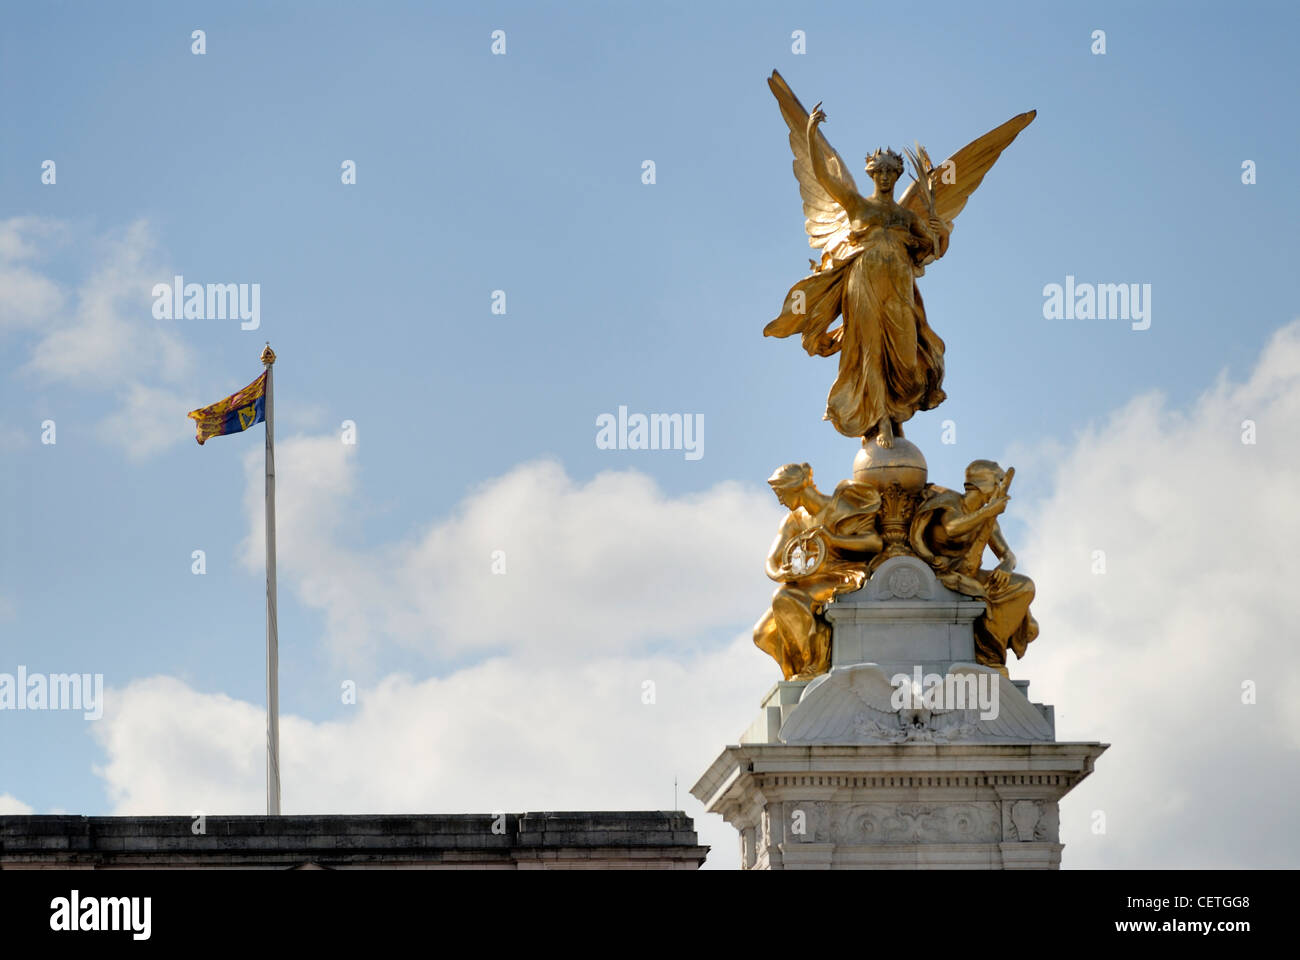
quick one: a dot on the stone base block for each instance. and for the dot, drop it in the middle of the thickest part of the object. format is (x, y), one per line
(912, 806)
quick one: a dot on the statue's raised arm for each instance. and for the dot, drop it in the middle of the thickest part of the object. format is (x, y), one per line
(827, 221)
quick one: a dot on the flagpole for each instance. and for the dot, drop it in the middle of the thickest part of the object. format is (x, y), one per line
(272, 631)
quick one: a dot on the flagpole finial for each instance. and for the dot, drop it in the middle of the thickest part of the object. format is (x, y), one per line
(268, 355)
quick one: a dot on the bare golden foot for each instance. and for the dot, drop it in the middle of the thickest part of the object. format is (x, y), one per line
(885, 433)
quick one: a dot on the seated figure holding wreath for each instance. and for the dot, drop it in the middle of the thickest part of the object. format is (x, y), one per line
(822, 549)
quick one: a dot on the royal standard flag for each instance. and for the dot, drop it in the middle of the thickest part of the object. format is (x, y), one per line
(236, 413)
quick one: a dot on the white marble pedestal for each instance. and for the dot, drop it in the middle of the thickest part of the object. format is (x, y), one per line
(832, 775)
(914, 806)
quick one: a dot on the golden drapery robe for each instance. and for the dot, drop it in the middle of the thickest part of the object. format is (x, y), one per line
(792, 631)
(1007, 622)
(891, 362)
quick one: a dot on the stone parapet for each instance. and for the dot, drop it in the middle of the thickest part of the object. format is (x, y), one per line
(510, 841)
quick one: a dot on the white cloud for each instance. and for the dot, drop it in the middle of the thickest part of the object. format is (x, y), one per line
(19, 237)
(9, 804)
(1199, 533)
(610, 565)
(108, 341)
(518, 734)
(596, 572)
(26, 297)
(111, 338)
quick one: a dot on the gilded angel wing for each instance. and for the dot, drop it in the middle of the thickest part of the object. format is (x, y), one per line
(827, 222)
(953, 181)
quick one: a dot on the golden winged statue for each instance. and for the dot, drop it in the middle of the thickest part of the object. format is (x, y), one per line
(873, 249)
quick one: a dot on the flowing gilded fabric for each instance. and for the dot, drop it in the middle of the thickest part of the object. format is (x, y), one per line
(891, 362)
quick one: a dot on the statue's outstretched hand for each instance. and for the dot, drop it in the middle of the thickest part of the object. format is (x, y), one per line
(996, 505)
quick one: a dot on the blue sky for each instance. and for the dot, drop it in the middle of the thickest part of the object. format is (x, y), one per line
(522, 173)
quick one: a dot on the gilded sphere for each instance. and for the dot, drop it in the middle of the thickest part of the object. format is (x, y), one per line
(880, 466)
